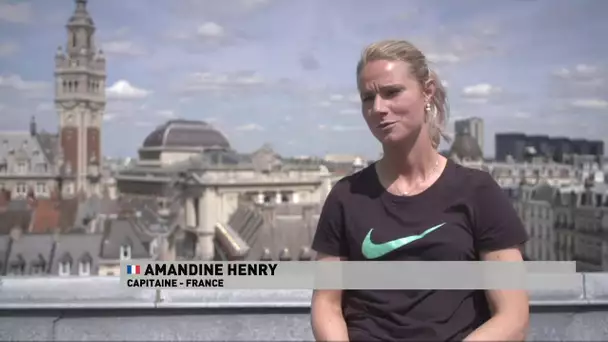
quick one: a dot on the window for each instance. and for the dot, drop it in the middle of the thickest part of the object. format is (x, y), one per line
(64, 268)
(125, 252)
(22, 168)
(17, 268)
(21, 189)
(41, 188)
(37, 268)
(84, 268)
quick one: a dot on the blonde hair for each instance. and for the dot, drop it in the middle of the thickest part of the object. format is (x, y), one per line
(401, 50)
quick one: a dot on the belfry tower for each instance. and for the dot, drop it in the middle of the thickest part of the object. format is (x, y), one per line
(80, 76)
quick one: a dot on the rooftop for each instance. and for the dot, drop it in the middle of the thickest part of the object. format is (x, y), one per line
(99, 308)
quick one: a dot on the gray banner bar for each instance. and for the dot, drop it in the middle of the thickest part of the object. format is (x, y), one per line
(353, 275)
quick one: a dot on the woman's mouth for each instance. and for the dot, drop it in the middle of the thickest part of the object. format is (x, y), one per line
(386, 125)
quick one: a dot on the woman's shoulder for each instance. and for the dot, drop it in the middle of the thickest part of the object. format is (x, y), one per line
(361, 181)
(477, 186)
(470, 177)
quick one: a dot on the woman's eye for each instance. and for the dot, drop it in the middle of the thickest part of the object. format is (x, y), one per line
(392, 93)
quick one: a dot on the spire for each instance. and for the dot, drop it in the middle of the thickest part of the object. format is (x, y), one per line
(81, 16)
(80, 33)
(33, 129)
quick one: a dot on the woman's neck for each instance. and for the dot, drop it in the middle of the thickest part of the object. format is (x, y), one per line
(410, 161)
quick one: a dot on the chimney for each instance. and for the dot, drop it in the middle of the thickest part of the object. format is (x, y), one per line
(285, 255)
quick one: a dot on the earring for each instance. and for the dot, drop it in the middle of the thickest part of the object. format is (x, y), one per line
(431, 110)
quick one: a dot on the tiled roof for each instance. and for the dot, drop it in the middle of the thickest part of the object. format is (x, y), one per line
(121, 232)
(30, 249)
(23, 145)
(276, 231)
(76, 248)
(53, 214)
(49, 144)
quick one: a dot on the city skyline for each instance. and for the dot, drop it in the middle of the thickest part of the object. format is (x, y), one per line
(505, 63)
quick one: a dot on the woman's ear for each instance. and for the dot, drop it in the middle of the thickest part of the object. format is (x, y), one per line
(429, 89)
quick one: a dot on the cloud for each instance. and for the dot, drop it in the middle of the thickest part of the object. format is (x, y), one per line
(590, 103)
(480, 90)
(336, 97)
(109, 117)
(203, 81)
(122, 89)
(144, 124)
(582, 86)
(125, 111)
(341, 128)
(581, 75)
(522, 115)
(250, 127)
(204, 37)
(18, 13)
(211, 30)
(196, 9)
(7, 49)
(122, 47)
(32, 89)
(166, 113)
(578, 71)
(445, 46)
(45, 107)
(349, 111)
(443, 58)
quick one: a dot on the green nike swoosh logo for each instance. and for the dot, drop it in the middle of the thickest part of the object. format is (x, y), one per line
(372, 250)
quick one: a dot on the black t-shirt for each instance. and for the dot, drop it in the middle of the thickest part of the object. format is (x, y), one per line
(478, 217)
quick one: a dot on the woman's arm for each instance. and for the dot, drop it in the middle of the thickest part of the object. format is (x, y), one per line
(326, 312)
(510, 308)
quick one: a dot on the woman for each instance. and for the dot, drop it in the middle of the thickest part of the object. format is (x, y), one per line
(410, 189)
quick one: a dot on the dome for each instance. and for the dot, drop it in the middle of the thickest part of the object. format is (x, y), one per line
(186, 133)
(466, 147)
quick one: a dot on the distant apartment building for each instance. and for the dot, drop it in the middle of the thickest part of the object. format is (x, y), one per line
(563, 206)
(472, 126)
(520, 147)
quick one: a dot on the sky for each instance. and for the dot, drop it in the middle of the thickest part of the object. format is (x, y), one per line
(282, 72)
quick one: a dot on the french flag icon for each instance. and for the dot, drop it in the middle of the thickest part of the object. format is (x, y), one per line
(133, 269)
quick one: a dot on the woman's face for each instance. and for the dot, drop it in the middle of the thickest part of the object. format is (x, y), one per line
(392, 100)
